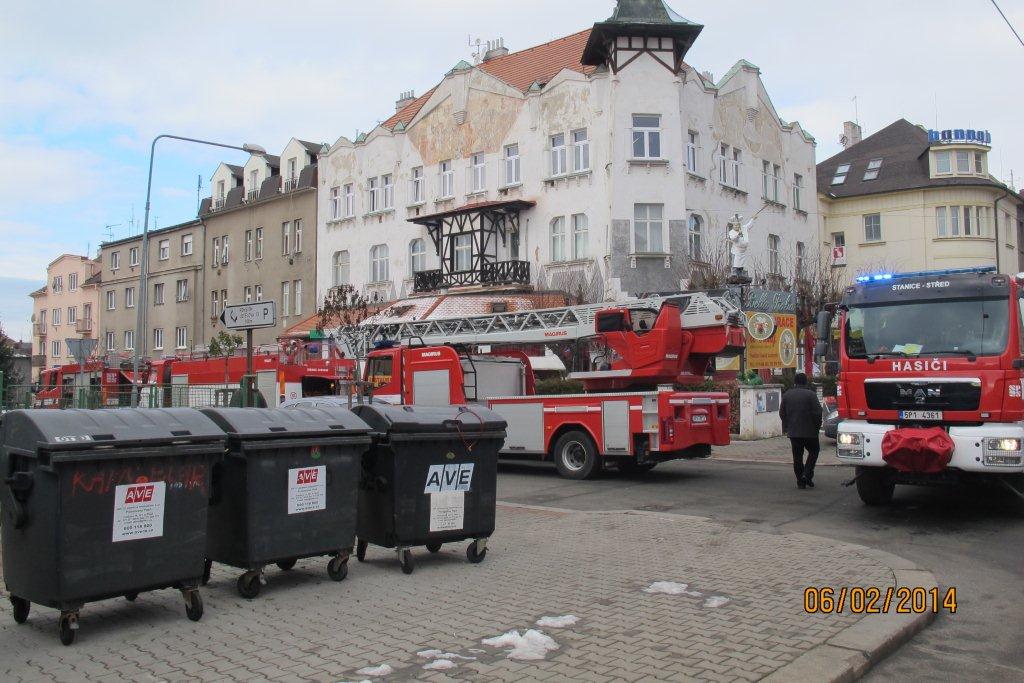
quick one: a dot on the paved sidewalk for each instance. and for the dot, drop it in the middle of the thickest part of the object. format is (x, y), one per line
(747, 622)
(772, 450)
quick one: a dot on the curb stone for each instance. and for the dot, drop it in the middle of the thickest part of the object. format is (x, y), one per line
(849, 654)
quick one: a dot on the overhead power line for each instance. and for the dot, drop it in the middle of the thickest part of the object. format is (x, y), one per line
(1007, 20)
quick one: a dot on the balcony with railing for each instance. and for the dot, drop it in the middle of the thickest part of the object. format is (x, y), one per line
(84, 326)
(289, 184)
(490, 273)
(252, 195)
(39, 329)
(218, 203)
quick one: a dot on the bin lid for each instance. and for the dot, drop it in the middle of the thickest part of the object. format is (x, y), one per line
(79, 429)
(270, 423)
(429, 419)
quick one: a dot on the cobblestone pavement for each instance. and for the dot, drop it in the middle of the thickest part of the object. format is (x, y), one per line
(540, 562)
(772, 450)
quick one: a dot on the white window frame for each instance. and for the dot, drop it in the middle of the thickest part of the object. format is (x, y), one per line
(111, 339)
(129, 340)
(798, 187)
(941, 221)
(115, 261)
(513, 165)
(248, 246)
(692, 147)
(111, 300)
(653, 229)
(954, 221)
(373, 194)
(225, 251)
(349, 198)
(580, 236)
(387, 182)
(416, 185)
(379, 263)
(446, 176)
(286, 297)
(158, 339)
(558, 154)
(129, 297)
(873, 169)
(56, 317)
(216, 252)
(842, 171)
(73, 282)
(214, 303)
(943, 162)
(580, 150)
(876, 220)
(247, 294)
(297, 297)
(55, 349)
(801, 255)
(967, 221)
(965, 168)
(695, 237)
(259, 293)
(558, 240)
(335, 202)
(186, 245)
(158, 294)
(259, 244)
(133, 257)
(286, 238)
(180, 338)
(462, 252)
(477, 173)
(181, 293)
(164, 250)
(417, 255)
(72, 315)
(341, 263)
(648, 136)
(297, 236)
(774, 264)
(736, 166)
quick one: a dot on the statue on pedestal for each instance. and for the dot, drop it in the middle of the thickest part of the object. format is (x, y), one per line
(739, 237)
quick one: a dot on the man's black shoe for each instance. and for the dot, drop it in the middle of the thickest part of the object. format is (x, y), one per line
(810, 484)
(800, 484)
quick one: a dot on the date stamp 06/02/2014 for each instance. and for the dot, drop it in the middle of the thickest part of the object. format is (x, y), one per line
(873, 600)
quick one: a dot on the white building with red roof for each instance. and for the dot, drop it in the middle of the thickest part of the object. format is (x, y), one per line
(599, 163)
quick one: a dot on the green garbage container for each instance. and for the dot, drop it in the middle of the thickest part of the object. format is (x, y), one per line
(285, 490)
(104, 503)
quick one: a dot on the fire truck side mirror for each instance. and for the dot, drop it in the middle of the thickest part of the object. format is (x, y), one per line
(823, 332)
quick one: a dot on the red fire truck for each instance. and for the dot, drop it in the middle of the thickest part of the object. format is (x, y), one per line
(636, 356)
(930, 385)
(293, 372)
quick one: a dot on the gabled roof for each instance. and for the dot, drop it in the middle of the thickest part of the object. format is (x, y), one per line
(640, 17)
(903, 149)
(520, 70)
(237, 171)
(311, 147)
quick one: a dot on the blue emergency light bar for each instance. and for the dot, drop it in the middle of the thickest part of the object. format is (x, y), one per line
(879, 277)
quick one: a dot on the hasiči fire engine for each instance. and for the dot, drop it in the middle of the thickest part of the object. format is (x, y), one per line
(930, 383)
(636, 355)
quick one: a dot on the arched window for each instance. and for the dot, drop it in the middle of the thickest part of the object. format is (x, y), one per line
(695, 230)
(341, 273)
(379, 263)
(558, 239)
(417, 255)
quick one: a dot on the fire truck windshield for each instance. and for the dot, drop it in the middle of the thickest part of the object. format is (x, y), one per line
(967, 327)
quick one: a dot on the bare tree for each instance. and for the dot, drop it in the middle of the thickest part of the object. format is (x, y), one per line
(344, 306)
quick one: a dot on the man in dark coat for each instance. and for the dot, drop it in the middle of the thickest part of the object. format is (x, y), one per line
(801, 421)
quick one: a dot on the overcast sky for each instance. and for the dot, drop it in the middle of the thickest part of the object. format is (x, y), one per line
(84, 87)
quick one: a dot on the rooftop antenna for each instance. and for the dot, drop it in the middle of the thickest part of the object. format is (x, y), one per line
(856, 111)
(199, 189)
(108, 230)
(936, 111)
(478, 53)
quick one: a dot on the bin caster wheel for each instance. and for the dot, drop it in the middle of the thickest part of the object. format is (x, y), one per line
(207, 569)
(131, 597)
(361, 550)
(286, 565)
(68, 627)
(21, 608)
(194, 605)
(407, 563)
(249, 585)
(337, 568)
(475, 556)
(434, 547)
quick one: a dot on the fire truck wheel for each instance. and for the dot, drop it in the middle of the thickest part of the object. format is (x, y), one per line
(874, 485)
(576, 456)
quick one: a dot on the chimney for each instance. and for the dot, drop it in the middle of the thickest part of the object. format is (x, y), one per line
(404, 100)
(852, 134)
(495, 48)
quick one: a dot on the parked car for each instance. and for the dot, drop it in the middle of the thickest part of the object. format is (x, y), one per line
(830, 408)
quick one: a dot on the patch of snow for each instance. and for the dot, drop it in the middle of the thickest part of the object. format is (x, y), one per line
(672, 588)
(382, 670)
(440, 665)
(440, 654)
(531, 645)
(557, 622)
(429, 654)
(717, 601)
(477, 650)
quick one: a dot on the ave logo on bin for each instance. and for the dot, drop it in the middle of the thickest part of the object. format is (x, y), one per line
(455, 477)
(307, 476)
(139, 494)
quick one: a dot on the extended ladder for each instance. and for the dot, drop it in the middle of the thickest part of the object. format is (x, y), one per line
(539, 326)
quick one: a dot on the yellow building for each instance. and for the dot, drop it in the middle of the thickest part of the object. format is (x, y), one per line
(907, 199)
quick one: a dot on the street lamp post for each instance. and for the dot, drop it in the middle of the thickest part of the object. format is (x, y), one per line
(140, 300)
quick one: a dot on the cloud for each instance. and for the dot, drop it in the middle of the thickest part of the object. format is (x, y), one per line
(28, 248)
(37, 172)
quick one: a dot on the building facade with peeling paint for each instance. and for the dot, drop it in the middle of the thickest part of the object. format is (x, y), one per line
(600, 164)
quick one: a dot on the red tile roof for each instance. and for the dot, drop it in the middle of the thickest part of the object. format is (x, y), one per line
(519, 69)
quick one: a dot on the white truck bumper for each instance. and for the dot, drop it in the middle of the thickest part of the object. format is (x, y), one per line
(975, 448)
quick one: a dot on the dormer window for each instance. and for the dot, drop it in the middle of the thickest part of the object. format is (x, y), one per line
(874, 166)
(943, 162)
(292, 180)
(840, 177)
(963, 161)
(254, 179)
(218, 202)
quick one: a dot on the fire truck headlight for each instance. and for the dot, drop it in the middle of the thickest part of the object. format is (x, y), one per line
(1004, 444)
(850, 445)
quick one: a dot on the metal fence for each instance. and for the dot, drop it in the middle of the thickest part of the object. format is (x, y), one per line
(13, 397)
